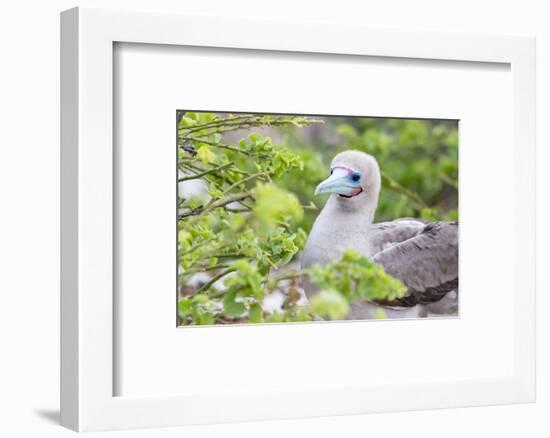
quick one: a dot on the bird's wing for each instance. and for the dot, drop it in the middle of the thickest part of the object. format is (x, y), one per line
(426, 262)
(383, 235)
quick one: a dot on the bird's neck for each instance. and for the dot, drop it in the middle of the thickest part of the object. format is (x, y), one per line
(351, 212)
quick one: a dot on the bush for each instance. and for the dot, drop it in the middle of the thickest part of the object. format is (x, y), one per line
(251, 221)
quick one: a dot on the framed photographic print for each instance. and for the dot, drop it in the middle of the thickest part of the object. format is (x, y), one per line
(257, 227)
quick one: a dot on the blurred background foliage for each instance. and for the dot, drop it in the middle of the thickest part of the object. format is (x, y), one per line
(418, 160)
(246, 204)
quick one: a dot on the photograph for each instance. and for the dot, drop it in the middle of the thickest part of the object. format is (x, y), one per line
(297, 218)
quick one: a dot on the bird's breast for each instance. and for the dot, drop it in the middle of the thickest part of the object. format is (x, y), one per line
(324, 246)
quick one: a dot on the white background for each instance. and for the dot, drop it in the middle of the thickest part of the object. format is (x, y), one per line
(29, 181)
(479, 95)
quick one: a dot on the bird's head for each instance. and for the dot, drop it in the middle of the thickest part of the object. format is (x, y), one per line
(354, 178)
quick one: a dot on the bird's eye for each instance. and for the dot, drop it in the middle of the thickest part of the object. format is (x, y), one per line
(331, 171)
(355, 177)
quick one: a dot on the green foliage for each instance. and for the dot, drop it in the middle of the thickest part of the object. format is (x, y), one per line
(419, 162)
(244, 225)
(418, 159)
(251, 217)
(274, 205)
(353, 276)
(330, 304)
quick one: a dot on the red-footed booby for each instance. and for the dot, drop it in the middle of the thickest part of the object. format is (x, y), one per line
(424, 256)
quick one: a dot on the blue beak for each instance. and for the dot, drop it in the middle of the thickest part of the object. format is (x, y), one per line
(338, 182)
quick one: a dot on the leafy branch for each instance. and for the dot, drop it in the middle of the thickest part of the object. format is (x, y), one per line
(395, 185)
(248, 226)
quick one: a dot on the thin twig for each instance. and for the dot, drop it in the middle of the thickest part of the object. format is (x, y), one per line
(395, 185)
(202, 269)
(191, 212)
(448, 180)
(195, 247)
(237, 210)
(287, 276)
(224, 201)
(244, 180)
(253, 121)
(214, 123)
(234, 255)
(206, 172)
(215, 278)
(219, 145)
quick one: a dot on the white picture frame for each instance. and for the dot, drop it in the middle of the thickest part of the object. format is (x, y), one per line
(88, 37)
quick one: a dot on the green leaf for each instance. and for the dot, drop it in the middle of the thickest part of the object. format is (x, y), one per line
(330, 304)
(200, 299)
(274, 204)
(232, 307)
(184, 307)
(275, 317)
(186, 122)
(206, 318)
(205, 154)
(255, 313)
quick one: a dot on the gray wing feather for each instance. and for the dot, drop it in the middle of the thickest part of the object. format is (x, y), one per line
(385, 234)
(426, 260)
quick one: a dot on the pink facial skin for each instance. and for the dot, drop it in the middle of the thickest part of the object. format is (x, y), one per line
(355, 191)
